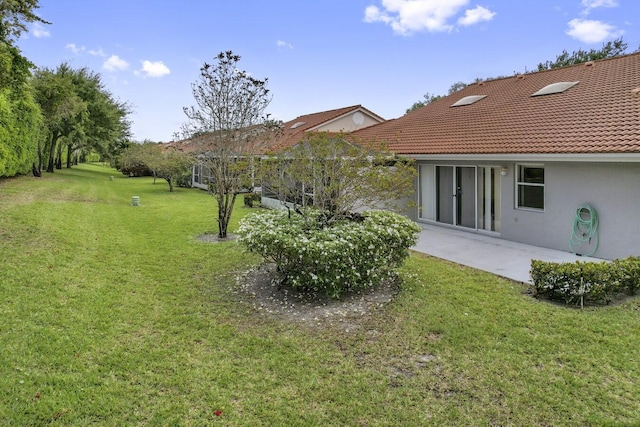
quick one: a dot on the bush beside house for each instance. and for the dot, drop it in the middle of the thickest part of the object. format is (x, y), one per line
(585, 282)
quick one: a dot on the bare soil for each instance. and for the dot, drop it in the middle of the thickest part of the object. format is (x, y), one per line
(213, 238)
(261, 287)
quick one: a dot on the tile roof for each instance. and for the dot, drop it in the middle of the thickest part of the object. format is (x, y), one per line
(600, 114)
(289, 135)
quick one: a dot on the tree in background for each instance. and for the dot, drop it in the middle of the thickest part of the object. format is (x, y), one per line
(429, 97)
(229, 115)
(62, 109)
(139, 159)
(105, 123)
(337, 176)
(78, 111)
(609, 49)
(151, 158)
(173, 166)
(14, 14)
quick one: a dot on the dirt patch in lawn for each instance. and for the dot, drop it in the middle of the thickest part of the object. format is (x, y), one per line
(261, 287)
(213, 238)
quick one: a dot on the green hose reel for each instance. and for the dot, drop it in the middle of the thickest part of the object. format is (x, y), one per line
(585, 230)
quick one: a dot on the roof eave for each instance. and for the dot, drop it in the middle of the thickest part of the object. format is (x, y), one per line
(520, 157)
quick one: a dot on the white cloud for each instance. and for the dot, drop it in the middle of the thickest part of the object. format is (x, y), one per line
(40, 32)
(473, 16)
(73, 48)
(593, 4)
(281, 43)
(98, 52)
(115, 63)
(409, 16)
(589, 31)
(153, 69)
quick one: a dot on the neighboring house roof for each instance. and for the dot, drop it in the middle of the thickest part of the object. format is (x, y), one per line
(345, 119)
(600, 114)
(200, 143)
(294, 130)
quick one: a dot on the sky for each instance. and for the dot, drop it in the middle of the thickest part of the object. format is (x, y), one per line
(317, 55)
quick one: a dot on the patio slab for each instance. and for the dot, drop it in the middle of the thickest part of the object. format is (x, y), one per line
(501, 257)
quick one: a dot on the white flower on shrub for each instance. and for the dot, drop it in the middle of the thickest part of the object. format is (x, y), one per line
(335, 259)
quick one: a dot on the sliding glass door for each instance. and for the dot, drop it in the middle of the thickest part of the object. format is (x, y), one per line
(464, 196)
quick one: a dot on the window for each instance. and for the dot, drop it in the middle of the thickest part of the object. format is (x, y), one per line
(530, 187)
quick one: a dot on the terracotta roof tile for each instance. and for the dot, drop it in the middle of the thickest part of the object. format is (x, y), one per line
(601, 114)
(290, 134)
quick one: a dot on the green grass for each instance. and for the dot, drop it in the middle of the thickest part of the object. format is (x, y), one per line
(116, 315)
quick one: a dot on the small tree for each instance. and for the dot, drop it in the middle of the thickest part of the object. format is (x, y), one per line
(338, 176)
(139, 159)
(172, 165)
(229, 115)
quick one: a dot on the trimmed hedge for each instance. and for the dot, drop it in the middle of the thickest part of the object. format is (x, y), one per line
(345, 256)
(584, 282)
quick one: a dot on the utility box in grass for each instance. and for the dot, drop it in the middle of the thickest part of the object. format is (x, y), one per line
(135, 201)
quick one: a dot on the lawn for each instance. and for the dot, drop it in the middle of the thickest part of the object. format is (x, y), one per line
(117, 315)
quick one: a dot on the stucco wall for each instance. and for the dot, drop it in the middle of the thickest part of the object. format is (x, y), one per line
(612, 189)
(347, 124)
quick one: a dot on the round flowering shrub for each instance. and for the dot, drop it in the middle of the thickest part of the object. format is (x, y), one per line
(344, 256)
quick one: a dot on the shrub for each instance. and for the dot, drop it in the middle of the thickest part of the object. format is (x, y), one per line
(251, 199)
(580, 282)
(628, 273)
(344, 256)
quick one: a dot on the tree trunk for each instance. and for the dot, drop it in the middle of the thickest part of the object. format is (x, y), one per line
(69, 156)
(40, 161)
(225, 208)
(170, 181)
(59, 157)
(52, 152)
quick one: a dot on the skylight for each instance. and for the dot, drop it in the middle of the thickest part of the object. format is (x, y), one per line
(555, 88)
(468, 100)
(297, 125)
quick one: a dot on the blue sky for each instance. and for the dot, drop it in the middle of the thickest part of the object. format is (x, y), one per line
(317, 54)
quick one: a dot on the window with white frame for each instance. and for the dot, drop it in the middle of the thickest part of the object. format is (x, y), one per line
(530, 187)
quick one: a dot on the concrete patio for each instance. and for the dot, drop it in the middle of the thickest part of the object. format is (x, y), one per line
(501, 257)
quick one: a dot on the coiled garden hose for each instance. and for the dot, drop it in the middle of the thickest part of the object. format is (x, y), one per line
(585, 229)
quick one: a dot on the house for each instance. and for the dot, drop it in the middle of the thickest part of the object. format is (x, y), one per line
(347, 119)
(524, 158)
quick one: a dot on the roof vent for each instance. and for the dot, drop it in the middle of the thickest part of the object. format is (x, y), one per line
(588, 63)
(636, 91)
(555, 88)
(297, 125)
(468, 100)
